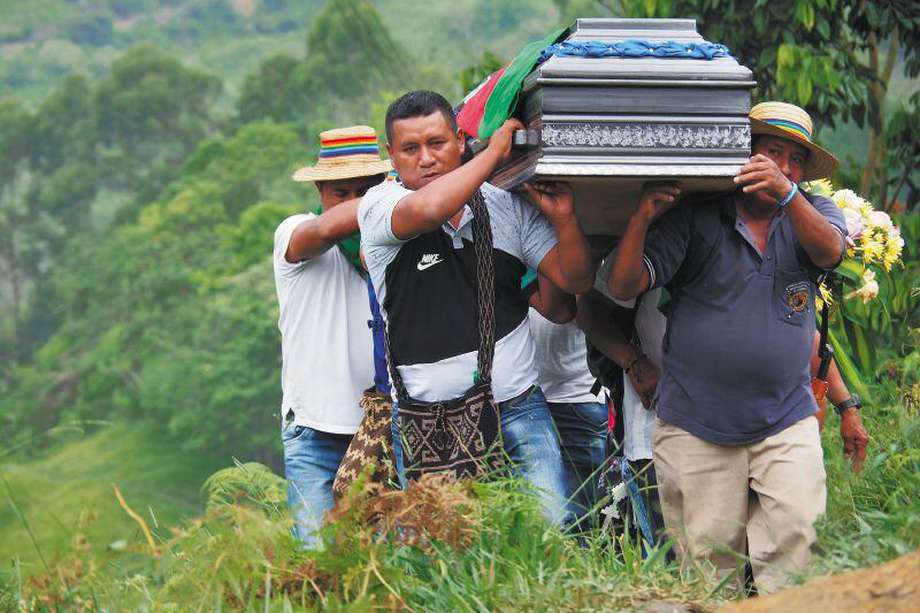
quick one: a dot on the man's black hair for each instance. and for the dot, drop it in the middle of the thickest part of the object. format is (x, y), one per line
(418, 103)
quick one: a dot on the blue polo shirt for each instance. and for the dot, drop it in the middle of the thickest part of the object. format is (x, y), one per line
(741, 323)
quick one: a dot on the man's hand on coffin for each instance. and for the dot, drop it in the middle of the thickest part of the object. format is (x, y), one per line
(501, 139)
(430, 148)
(657, 198)
(762, 174)
(568, 265)
(553, 198)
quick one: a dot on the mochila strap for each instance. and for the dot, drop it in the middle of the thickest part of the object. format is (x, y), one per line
(485, 296)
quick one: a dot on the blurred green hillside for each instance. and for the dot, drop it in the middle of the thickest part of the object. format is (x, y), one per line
(146, 149)
(140, 183)
(42, 41)
(67, 499)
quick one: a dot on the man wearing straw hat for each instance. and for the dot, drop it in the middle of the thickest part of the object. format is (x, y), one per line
(737, 452)
(326, 347)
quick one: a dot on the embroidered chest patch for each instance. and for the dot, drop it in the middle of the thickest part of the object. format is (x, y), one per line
(797, 296)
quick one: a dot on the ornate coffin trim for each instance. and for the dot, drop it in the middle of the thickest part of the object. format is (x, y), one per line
(578, 169)
(647, 135)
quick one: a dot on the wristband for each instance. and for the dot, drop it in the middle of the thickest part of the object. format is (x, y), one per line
(851, 402)
(789, 196)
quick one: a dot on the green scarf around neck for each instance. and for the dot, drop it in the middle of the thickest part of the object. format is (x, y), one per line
(350, 246)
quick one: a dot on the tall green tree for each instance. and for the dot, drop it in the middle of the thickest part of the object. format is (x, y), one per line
(63, 142)
(128, 134)
(14, 220)
(884, 32)
(150, 112)
(350, 58)
(272, 92)
(350, 51)
(172, 317)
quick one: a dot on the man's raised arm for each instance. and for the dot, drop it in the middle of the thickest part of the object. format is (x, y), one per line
(629, 276)
(568, 265)
(427, 208)
(822, 241)
(314, 236)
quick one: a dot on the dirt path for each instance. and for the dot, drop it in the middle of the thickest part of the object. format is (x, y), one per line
(891, 587)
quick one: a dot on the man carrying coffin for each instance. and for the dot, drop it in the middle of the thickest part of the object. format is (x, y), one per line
(326, 347)
(446, 252)
(737, 452)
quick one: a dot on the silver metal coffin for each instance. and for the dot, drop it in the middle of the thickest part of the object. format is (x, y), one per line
(608, 125)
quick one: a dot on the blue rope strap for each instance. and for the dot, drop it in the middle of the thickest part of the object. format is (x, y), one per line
(634, 48)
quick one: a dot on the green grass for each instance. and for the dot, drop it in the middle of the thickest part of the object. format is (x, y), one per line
(872, 517)
(488, 547)
(66, 497)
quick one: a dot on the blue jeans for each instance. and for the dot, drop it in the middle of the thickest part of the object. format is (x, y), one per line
(582, 428)
(311, 459)
(531, 443)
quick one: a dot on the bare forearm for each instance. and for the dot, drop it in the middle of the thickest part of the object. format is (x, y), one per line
(552, 303)
(837, 390)
(574, 255)
(629, 276)
(429, 207)
(821, 241)
(599, 327)
(314, 236)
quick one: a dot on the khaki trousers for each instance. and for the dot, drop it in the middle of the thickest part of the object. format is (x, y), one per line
(721, 501)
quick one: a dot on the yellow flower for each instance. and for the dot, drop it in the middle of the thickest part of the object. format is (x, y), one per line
(820, 187)
(871, 236)
(872, 250)
(824, 296)
(893, 248)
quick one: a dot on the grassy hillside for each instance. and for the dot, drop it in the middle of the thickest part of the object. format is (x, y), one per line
(437, 547)
(68, 501)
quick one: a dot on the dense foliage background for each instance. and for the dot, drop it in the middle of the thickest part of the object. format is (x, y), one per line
(139, 194)
(145, 154)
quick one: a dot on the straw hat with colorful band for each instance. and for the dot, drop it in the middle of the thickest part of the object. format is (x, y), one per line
(793, 123)
(346, 153)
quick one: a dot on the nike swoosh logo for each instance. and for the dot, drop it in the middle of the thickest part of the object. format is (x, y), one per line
(422, 266)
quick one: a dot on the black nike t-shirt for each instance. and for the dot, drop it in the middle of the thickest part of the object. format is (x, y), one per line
(427, 291)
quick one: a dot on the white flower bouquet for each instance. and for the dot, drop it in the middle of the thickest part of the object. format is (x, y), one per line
(870, 292)
(872, 240)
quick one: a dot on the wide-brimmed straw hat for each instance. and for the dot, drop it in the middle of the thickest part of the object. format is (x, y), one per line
(788, 121)
(346, 153)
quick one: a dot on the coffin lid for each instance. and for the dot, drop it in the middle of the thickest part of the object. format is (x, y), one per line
(613, 69)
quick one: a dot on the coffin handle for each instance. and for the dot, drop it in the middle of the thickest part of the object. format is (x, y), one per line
(525, 138)
(521, 139)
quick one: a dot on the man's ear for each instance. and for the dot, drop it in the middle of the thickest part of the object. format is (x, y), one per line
(389, 150)
(319, 186)
(461, 141)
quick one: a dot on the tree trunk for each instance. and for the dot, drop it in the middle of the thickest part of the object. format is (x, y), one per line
(878, 89)
(893, 49)
(15, 285)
